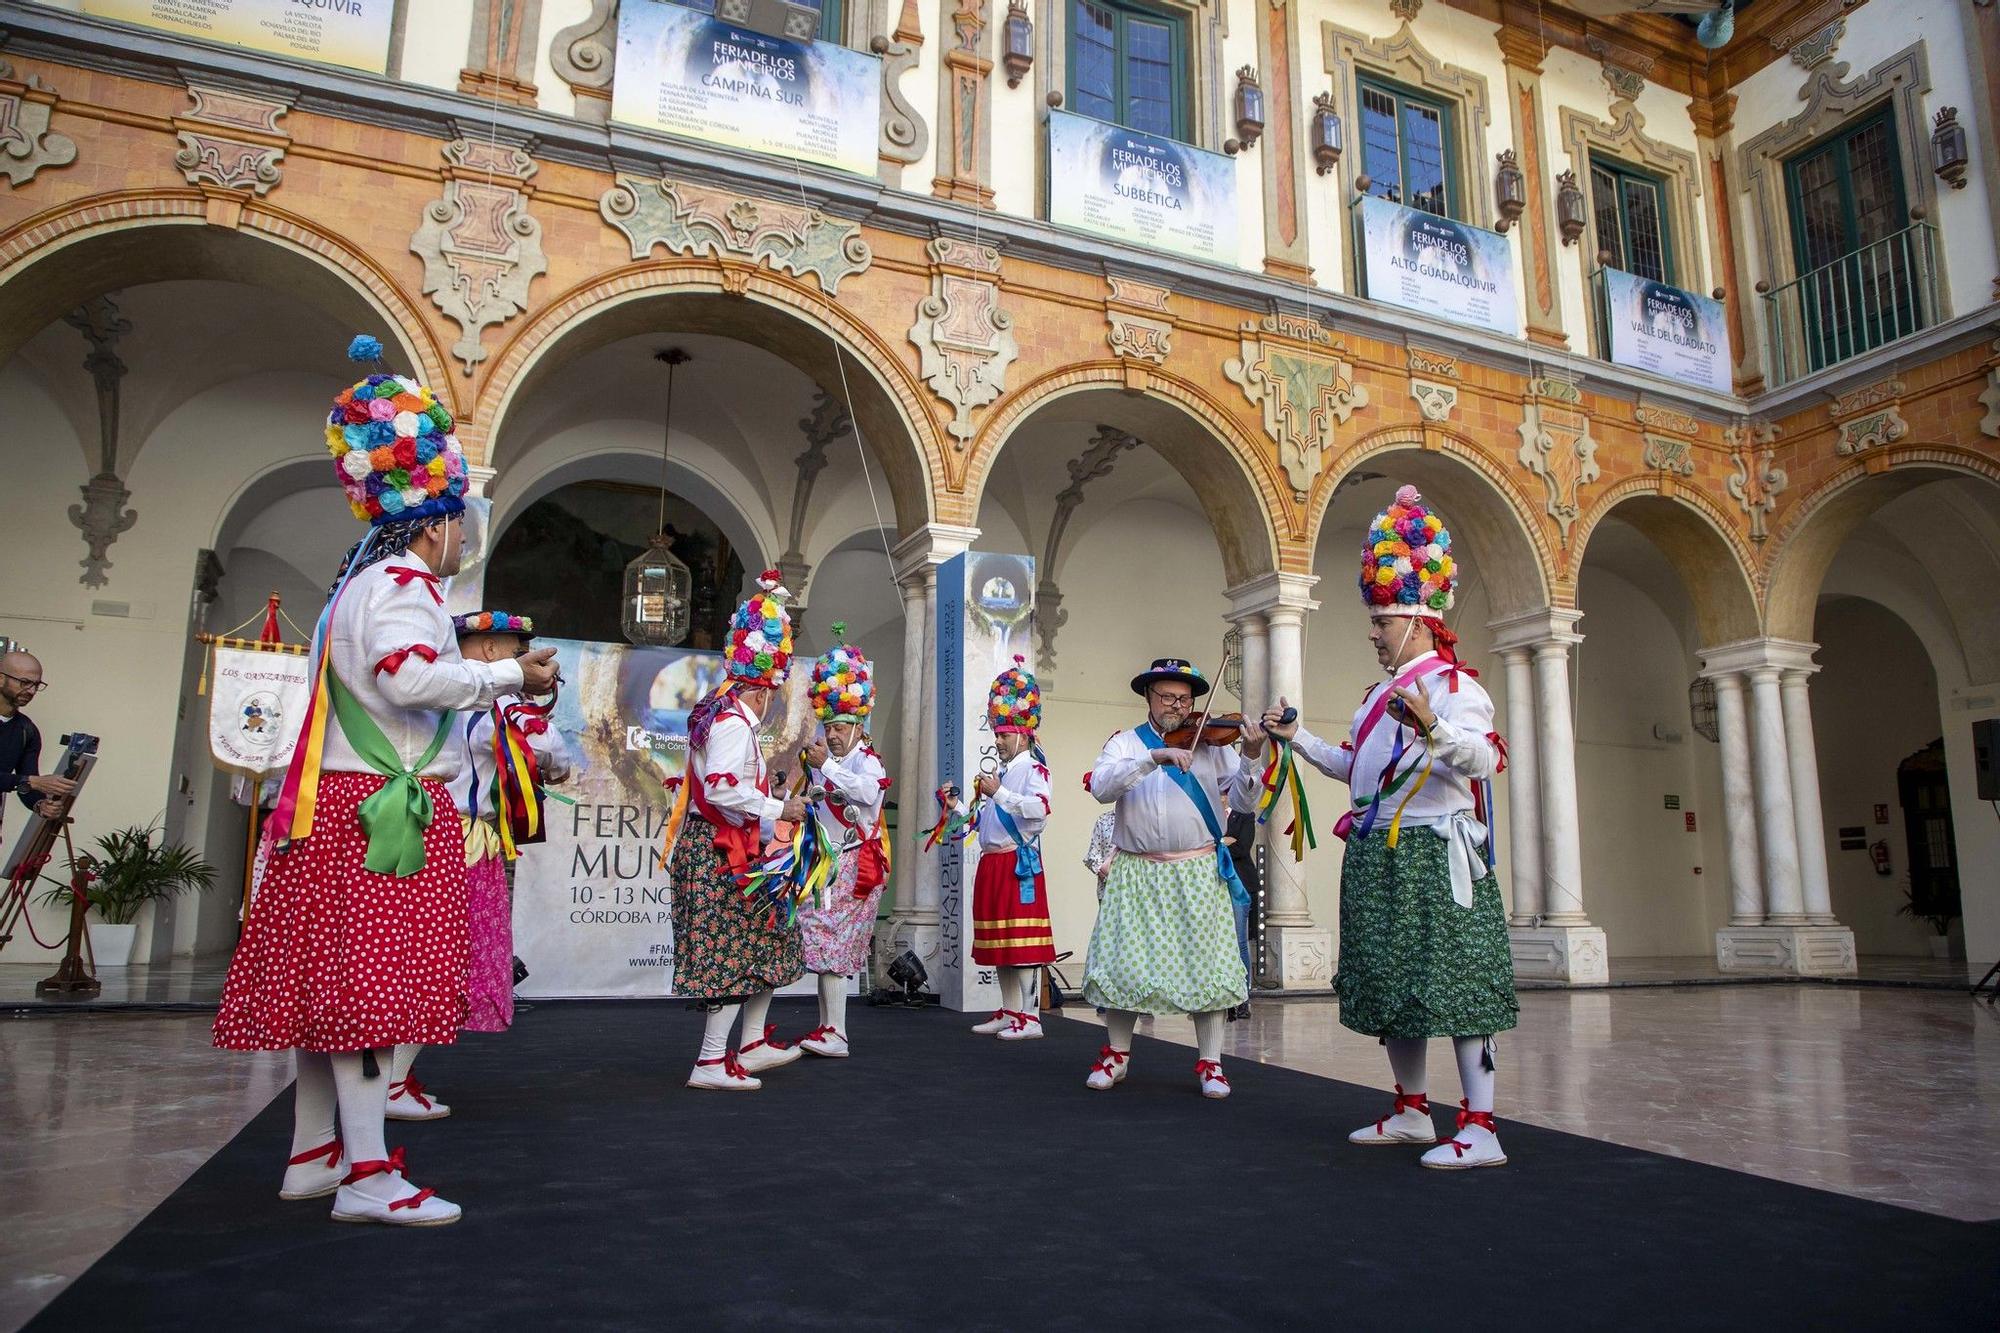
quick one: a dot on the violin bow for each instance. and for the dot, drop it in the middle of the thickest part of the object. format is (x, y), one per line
(1209, 707)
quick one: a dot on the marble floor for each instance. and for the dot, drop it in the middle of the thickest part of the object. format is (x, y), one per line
(1887, 1094)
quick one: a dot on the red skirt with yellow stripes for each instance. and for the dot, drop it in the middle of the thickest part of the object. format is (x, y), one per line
(1007, 932)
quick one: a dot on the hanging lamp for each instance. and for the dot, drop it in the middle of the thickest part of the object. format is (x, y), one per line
(658, 586)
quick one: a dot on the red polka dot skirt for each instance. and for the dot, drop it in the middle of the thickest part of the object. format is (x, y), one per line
(335, 958)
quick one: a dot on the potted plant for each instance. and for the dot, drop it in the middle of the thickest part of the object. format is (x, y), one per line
(129, 871)
(1939, 910)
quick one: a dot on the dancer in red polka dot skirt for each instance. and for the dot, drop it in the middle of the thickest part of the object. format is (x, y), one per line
(356, 939)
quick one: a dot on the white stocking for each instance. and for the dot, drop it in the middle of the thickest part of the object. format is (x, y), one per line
(399, 1067)
(1118, 1026)
(1473, 1075)
(755, 1010)
(715, 1034)
(1406, 1061)
(1208, 1034)
(313, 1102)
(832, 991)
(363, 1103)
(1006, 979)
(1027, 997)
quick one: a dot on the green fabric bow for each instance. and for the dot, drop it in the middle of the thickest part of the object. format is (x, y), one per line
(395, 817)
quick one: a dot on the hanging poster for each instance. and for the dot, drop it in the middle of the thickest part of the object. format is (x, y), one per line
(1423, 262)
(256, 708)
(593, 904)
(689, 73)
(1665, 330)
(1141, 189)
(354, 33)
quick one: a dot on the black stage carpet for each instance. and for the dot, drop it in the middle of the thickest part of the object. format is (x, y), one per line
(944, 1181)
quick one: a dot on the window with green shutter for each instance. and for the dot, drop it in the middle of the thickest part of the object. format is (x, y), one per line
(1128, 65)
(1408, 145)
(1631, 211)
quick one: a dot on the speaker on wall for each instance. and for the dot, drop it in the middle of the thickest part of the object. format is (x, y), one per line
(1986, 757)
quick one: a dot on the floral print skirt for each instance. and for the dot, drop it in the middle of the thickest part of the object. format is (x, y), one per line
(1413, 963)
(836, 936)
(727, 946)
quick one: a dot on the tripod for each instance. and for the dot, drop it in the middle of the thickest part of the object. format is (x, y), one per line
(1987, 981)
(72, 976)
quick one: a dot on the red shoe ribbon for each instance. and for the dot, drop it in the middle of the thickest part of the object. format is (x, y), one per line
(362, 1170)
(1108, 1060)
(768, 1039)
(414, 1201)
(729, 1066)
(412, 1089)
(329, 1151)
(1207, 1069)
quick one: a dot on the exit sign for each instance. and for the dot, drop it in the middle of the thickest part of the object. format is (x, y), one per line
(1673, 802)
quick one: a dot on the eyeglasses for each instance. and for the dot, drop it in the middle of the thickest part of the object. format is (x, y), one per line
(31, 686)
(1174, 702)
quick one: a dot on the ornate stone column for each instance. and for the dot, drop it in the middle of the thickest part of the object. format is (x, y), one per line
(1522, 50)
(965, 107)
(1524, 796)
(1300, 953)
(1563, 946)
(1739, 803)
(1794, 934)
(500, 55)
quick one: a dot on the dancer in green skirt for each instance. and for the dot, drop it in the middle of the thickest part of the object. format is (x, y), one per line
(1423, 934)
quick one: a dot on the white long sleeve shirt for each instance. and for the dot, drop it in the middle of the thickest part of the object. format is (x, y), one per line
(1024, 795)
(377, 629)
(472, 789)
(862, 782)
(732, 752)
(1155, 817)
(1460, 744)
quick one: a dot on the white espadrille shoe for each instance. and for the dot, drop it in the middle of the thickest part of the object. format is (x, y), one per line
(381, 1192)
(1410, 1123)
(767, 1053)
(1025, 1027)
(722, 1074)
(313, 1174)
(1477, 1143)
(1000, 1021)
(1108, 1071)
(1214, 1083)
(408, 1100)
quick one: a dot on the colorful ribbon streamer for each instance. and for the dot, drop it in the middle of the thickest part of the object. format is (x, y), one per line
(1281, 774)
(951, 826)
(517, 776)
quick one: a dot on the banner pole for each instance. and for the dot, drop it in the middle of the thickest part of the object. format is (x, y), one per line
(250, 847)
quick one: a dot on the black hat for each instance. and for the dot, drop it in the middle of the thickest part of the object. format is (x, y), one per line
(1171, 668)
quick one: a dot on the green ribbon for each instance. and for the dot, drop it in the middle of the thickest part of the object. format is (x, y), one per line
(395, 817)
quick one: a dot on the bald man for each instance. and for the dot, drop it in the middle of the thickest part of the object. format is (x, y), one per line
(21, 743)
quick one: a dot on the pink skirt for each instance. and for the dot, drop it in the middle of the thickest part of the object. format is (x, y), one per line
(489, 916)
(336, 958)
(836, 937)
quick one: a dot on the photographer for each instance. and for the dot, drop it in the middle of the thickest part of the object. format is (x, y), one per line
(21, 742)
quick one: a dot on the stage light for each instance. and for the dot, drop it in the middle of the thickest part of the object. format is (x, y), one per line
(908, 972)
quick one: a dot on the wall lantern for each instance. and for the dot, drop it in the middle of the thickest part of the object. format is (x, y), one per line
(1020, 55)
(1948, 150)
(1570, 216)
(658, 586)
(1510, 189)
(1249, 112)
(1326, 143)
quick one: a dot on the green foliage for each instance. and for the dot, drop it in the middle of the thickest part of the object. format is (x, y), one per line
(131, 870)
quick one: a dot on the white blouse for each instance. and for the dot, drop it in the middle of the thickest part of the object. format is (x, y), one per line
(732, 752)
(1155, 817)
(862, 782)
(1460, 743)
(1024, 795)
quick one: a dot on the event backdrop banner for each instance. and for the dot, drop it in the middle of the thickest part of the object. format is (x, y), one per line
(1140, 188)
(985, 611)
(354, 33)
(1423, 262)
(593, 907)
(256, 706)
(1667, 331)
(692, 74)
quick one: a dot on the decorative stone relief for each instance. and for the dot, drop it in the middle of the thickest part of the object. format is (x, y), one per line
(231, 139)
(1817, 49)
(1406, 10)
(1867, 396)
(1871, 430)
(584, 55)
(965, 341)
(1141, 295)
(1666, 418)
(1809, 25)
(690, 219)
(905, 136)
(1094, 462)
(102, 516)
(1293, 369)
(1664, 453)
(27, 144)
(829, 422)
(1990, 399)
(1556, 446)
(1138, 337)
(1423, 362)
(1624, 69)
(1758, 482)
(480, 246)
(1434, 400)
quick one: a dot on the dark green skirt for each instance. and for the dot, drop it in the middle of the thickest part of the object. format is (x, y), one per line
(1413, 963)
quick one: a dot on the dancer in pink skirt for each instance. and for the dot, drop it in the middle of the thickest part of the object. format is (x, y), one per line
(484, 806)
(356, 940)
(839, 927)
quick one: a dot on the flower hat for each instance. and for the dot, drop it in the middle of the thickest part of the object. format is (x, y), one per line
(1406, 564)
(1015, 702)
(760, 635)
(492, 622)
(843, 685)
(392, 446)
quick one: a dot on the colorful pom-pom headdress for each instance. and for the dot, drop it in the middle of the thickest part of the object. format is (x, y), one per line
(392, 446)
(1406, 564)
(760, 635)
(843, 685)
(492, 622)
(1015, 701)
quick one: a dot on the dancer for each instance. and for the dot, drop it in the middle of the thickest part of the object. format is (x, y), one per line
(1010, 899)
(837, 930)
(731, 950)
(1423, 935)
(356, 941)
(484, 803)
(1165, 941)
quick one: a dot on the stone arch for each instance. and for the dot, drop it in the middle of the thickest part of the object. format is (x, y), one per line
(1814, 528)
(1688, 528)
(818, 337)
(54, 261)
(1475, 498)
(1231, 483)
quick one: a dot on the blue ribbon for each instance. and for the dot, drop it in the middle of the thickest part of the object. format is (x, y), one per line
(1186, 781)
(1027, 854)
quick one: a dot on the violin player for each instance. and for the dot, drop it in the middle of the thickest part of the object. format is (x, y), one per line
(1165, 940)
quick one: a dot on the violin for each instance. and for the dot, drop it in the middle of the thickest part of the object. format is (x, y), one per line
(1220, 729)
